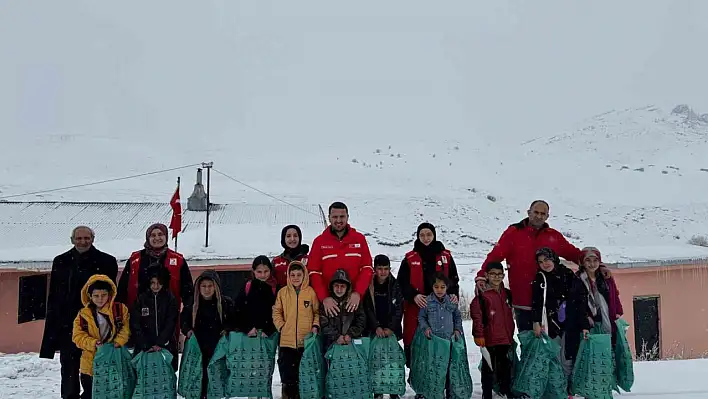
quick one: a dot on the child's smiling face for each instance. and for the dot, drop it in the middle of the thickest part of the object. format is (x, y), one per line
(155, 285)
(296, 277)
(440, 288)
(207, 288)
(545, 264)
(340, 289)
(262, 272)
(100, 298)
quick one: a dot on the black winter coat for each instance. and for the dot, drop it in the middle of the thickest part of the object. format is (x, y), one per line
(70, 272)
(153, 320)
(146, 263)
(208, 326)
(395, 308)
(334, 327)
(429, 271)
(559, 281)
(255, 310)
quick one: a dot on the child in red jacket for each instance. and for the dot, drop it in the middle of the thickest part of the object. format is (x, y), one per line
(493, 328)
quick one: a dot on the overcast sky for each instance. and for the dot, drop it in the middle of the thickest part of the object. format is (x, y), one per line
(319, 69)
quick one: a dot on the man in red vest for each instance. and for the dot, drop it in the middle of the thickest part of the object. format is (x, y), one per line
(340, 247)
(135, 278)
(518, 246)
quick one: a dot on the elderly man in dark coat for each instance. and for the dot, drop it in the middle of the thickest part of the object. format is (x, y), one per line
(70, 271)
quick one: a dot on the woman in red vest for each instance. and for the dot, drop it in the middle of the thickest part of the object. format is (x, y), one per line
(135, 277)
(293, 249)
(417, 275)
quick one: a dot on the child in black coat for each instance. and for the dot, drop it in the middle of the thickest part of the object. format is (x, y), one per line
(154, 319)
(254, 304)
(209, 318)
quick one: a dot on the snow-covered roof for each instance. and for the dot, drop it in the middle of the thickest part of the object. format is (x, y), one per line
(35, 232)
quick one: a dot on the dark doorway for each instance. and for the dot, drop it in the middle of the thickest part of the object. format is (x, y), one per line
(32, 301)
(232, 282)
(647, 335)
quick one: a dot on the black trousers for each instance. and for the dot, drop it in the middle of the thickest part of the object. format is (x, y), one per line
(87, 384)
(501, 374)
(70, 360)
(289, 367)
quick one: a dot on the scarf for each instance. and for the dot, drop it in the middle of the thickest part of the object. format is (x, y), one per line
(597, 303)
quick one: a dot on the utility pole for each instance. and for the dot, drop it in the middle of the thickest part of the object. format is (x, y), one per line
(207, 166)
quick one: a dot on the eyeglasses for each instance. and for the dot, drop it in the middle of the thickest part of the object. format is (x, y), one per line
(496, 274)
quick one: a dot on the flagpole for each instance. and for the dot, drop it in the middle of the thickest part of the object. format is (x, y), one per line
(178, 182)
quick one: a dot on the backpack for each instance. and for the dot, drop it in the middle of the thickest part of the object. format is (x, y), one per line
(483, 306)
(117, 315)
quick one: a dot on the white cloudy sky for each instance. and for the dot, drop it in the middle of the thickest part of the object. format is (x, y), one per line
(495, 68)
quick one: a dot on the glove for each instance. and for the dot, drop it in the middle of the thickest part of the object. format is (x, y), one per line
(479, 342)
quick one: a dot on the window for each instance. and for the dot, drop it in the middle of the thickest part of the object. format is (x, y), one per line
(32, 301)
(232, 282)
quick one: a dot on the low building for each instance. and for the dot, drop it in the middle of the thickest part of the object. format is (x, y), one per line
(666, 305)
(33, 233)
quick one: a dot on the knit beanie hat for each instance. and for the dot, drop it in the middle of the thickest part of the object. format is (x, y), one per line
(549, 254)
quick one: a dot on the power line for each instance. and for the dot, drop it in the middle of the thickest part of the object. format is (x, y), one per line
(99, 182)
(293, 205)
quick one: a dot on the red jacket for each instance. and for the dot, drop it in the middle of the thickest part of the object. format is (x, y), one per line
(518, 246)
(329, 253)
(497, 328)
(280, 268)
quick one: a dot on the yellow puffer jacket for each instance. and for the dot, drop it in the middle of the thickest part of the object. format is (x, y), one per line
(86, 334)
(294, 314)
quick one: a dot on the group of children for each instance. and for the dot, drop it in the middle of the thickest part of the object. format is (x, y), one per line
(566, 306)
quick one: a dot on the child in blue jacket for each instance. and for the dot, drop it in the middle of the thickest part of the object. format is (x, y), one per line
(440, 317)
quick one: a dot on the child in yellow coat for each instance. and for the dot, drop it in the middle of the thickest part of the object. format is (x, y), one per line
(101, 321)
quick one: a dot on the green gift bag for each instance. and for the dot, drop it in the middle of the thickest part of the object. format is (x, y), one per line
(251, 362)
(113, 373)
(387, 364)
(156, 378)
(460, 378)
(312, 369)
(217, 372)
(348, 370)
(190, 370)
(540, 373)
(430, 360)
(624, 370)
(593, 372)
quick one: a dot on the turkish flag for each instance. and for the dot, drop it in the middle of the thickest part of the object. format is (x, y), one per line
(176, 222)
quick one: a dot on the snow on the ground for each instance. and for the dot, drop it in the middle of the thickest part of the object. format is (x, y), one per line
(24, 375)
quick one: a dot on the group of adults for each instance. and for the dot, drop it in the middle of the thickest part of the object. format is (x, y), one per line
(339, 246)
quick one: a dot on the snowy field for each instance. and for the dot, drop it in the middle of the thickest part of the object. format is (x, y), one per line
(25, 376)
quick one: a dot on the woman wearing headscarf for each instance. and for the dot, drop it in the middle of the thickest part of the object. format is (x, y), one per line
(293, 250)
(135, 278)
(417, 275)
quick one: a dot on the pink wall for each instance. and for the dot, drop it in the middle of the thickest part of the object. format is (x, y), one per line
(27, 337)
(683, 305)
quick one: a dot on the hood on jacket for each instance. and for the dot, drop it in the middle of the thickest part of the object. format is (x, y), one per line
(340, 276)
(86, 298)
(207, 275)
(305, 278)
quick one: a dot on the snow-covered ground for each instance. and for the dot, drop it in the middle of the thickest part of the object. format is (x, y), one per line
(25, 375)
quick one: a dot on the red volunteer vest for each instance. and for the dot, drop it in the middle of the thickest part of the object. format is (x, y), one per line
(415, 262)
(173, 263)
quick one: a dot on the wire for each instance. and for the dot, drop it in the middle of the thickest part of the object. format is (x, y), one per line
(100, 181)
(294, 206)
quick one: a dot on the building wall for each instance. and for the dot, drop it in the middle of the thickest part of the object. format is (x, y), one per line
(27, 337)
(683, 305)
